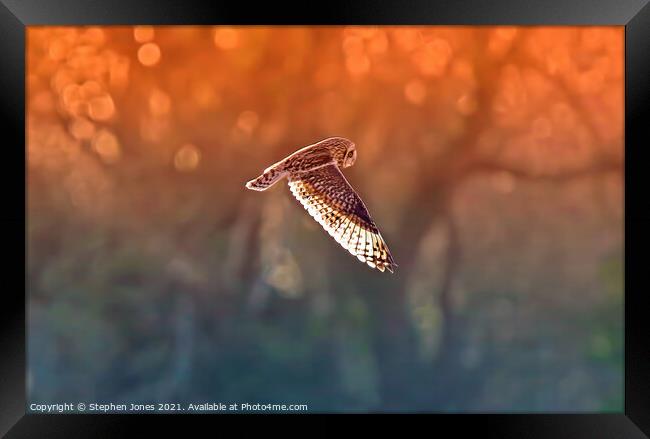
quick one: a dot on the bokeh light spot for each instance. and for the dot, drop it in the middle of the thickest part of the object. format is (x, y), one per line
(72, 100)
(119, 72)
(187, 158)
(204, 94)
(90, 89)
(506, 32)
(101, 108)
(149, 54)
(105, 144)
(285, 275)
(378, 43)
(94, 36)
(226, 38)
(159, 103)
(248, 121)
(81, 128)
(358, 65)
(433, 58)
(61, 78)
(353, 45)
(58, 50)
(143, 34)
(415, 92)
(466, 104)
(407, 39)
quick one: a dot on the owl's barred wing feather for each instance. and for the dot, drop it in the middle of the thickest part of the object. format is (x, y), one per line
(330, 200)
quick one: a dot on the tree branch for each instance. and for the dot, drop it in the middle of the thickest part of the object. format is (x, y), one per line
(484, 166)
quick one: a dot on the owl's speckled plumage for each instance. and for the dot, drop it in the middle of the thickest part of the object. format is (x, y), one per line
(315, 179)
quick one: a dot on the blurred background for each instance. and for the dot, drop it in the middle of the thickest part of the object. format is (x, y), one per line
(491, 158)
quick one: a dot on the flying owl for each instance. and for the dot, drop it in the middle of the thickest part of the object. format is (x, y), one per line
(315, 179)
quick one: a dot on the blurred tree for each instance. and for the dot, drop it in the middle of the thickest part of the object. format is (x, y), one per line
(491, 157)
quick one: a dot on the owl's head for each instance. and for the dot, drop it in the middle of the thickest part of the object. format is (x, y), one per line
(342, 149)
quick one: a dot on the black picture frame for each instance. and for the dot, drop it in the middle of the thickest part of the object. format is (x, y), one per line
(15, 15)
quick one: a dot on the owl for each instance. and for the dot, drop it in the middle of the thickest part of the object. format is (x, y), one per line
(315, 179)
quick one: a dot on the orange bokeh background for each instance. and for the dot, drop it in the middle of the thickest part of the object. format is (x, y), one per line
(490, 157)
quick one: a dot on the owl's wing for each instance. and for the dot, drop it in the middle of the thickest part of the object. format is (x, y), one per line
(329, 198)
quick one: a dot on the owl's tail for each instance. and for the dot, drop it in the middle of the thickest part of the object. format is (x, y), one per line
(266, 180)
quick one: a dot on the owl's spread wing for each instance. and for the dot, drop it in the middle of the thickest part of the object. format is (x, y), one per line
(329, 198)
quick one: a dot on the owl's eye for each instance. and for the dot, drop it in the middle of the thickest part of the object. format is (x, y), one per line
(350, 154)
